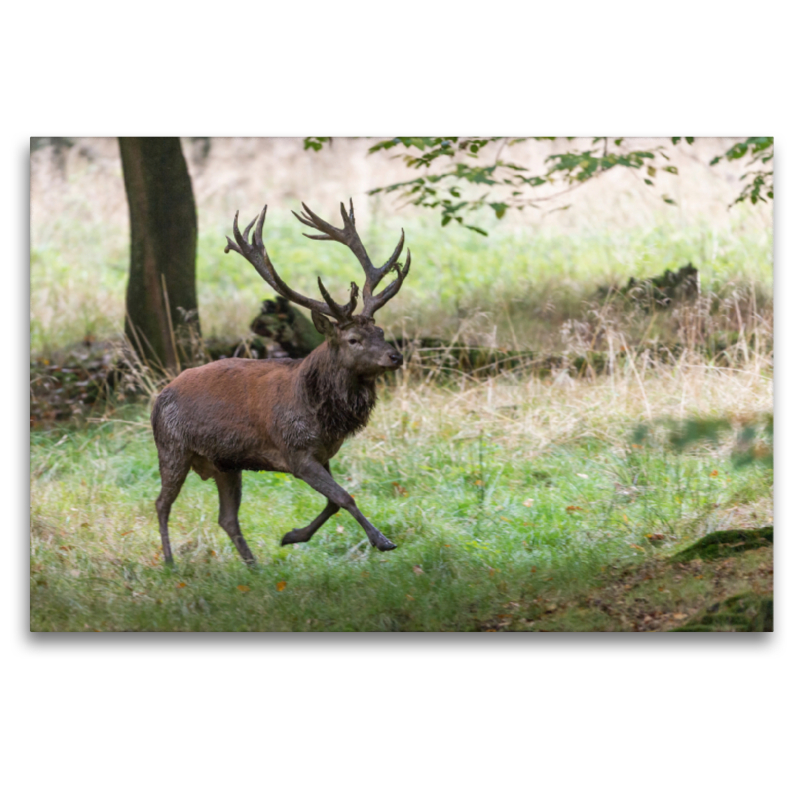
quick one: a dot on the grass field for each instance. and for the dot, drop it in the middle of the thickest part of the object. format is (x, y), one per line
(522, 506)
(514, 288)
(512, 501)
(518, 502)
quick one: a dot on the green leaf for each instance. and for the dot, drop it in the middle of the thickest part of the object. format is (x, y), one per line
(499, 209)
(315, 142)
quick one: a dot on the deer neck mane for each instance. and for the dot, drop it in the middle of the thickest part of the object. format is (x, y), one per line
(341, 401)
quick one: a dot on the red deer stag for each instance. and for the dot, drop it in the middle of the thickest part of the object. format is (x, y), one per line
(281, 415)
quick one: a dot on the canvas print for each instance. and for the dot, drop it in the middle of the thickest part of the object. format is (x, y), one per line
(442, 384)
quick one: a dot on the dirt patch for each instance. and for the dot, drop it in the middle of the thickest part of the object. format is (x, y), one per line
(729, 593)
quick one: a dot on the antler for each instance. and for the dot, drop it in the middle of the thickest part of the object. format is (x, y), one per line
(349, 236)
(255, 252)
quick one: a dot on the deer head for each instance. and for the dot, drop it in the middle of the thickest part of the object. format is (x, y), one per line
(357, 342)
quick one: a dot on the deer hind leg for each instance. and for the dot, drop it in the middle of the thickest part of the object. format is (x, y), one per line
(316, 476)
(304, 534)
(173, 473)
(229, 485)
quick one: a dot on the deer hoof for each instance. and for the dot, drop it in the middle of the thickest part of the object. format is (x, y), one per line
(293, 537)
(384, 544)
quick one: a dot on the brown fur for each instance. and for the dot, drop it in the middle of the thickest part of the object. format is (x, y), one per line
(281, 415)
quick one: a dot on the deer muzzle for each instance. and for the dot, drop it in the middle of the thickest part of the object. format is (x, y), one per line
(392, 360)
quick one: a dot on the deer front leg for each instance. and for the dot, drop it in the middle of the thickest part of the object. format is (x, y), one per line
(304, 534)
(316, 476)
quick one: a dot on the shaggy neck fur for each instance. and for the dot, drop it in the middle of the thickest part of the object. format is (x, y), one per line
(342, 401)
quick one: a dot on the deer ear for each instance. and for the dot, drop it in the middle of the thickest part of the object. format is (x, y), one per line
(323, 324)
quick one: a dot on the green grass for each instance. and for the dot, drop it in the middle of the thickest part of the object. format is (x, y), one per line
(518, 506)
(515, 288)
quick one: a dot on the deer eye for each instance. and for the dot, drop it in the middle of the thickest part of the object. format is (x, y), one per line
(353, 340)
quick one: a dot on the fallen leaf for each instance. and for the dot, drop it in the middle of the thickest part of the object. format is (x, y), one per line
(574, 508)
(479, 483)
(125, 533)
(637, 547)
(182, 585)
(505, 519)
(581, 475)
(409, 597)
(280, 585)
(399, 490)
(714, 473)
(679, 616)
(340, 529)
(528, 503)
(417, 569)
(533, 569)
(243, 588)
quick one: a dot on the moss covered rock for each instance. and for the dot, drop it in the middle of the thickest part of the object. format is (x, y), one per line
(742, 612)
(722, 544)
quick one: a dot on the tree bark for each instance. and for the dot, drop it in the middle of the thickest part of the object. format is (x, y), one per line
(162, 319)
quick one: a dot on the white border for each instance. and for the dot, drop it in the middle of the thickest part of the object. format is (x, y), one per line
(608, 716)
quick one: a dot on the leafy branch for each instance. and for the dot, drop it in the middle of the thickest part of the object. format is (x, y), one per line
(761, 151)
(460, 177)
(508, 185)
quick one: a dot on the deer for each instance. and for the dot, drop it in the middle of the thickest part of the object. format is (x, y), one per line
(281, 415)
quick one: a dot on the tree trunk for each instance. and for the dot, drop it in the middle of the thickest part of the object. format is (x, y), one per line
(162, 320)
